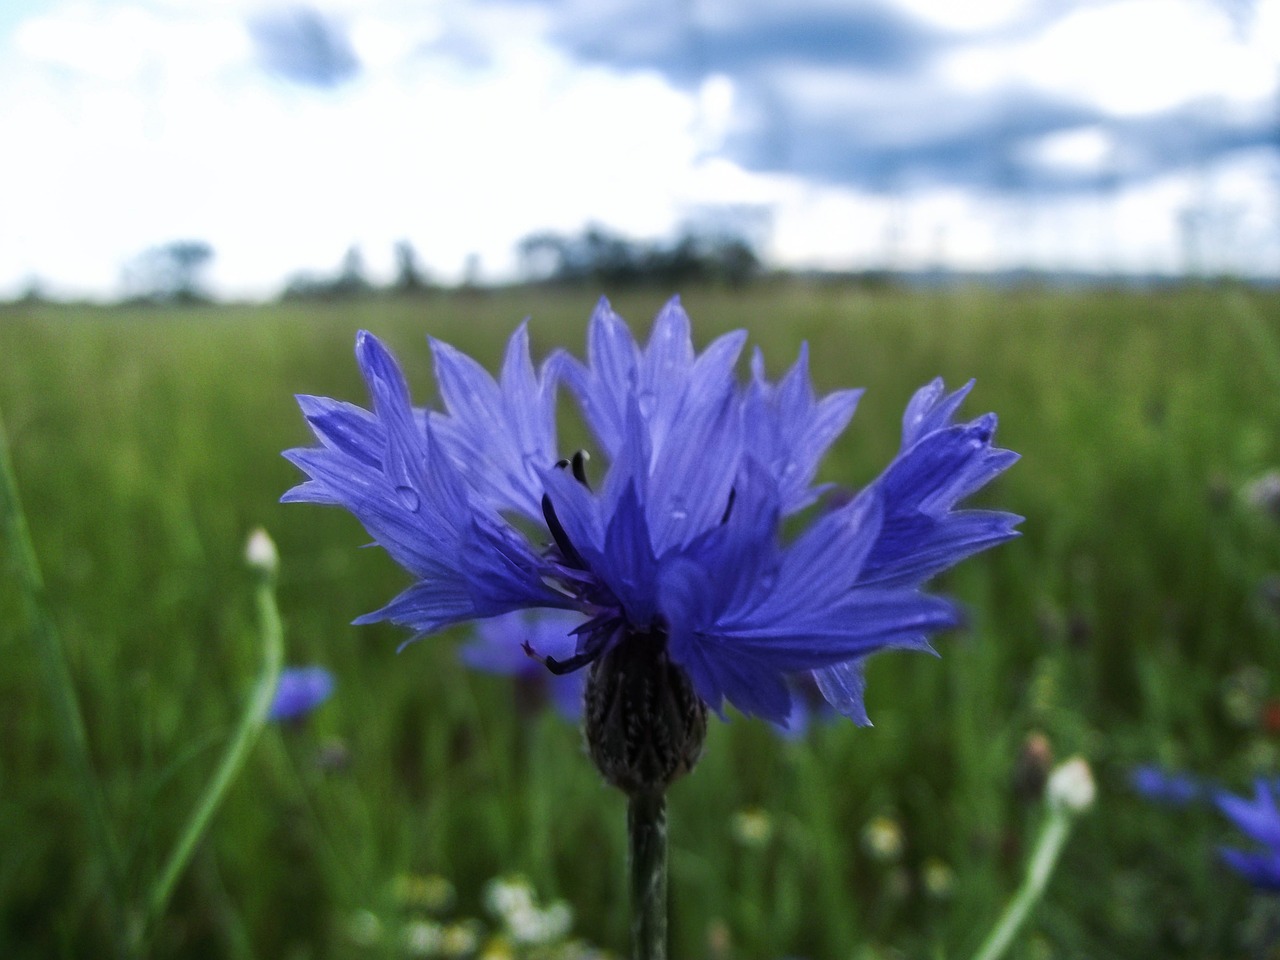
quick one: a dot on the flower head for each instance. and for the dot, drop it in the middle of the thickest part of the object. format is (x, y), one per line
(1070, 786)
(672, 551)
(300, 690)
(1259, 820)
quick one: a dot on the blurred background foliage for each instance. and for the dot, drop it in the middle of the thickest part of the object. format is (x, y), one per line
(1136, 621)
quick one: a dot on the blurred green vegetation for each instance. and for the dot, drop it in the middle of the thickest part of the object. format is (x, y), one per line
(1135, 621)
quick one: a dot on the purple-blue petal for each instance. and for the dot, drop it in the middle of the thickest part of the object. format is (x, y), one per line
(299, 691)
(1259, 819)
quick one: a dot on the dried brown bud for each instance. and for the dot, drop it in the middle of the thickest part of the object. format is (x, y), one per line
(645, 723)
(1031, 770)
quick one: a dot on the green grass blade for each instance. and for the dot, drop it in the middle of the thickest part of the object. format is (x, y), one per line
(251, 723)
(1053, 835)
(68, 717)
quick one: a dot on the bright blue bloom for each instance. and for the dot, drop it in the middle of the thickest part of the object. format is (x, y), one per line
(808, 706)
(1164, 786)
(512, 645)
(300, 690)
(1259, 820)
(678, 535)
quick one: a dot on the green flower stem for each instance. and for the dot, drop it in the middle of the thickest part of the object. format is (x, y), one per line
(68, 719)
(1053, 835)
(251, 723)
(647, 849)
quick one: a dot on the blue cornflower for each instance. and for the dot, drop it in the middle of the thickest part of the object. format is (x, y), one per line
(1165, 786)
(300, 690)
(808, 706)
(1260, 821)
(674, 557)
(512, 644)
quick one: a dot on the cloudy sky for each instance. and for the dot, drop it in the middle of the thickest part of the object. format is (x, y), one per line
(1114, 135)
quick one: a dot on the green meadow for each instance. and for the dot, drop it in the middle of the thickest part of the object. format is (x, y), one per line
(1137, 620)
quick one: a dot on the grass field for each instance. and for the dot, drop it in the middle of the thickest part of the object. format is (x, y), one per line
(1133, 622)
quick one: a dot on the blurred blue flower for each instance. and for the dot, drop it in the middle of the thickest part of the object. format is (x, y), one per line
(1164, 786)
(808, 706)
(510, 645)
(1259, 820)
(679, 545)
(300, 690)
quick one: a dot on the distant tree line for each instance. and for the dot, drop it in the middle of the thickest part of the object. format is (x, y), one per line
(603, 258)
(351, 281)
(175, 272)
(170, 273)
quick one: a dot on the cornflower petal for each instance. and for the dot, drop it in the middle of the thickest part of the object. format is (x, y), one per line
(603, 384)
(807, 609)
(1260, 869)
(667, 381)
(499, 433)
(1259, 820)
(690, 484)
(843, 686)
(345, 428)
(921, 534)
(931, 408)
(299, 691)
(789, 430)
(387, 469)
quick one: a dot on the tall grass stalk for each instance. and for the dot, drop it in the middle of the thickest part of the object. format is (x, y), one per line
(251, 723)
(68, 717)
(1053, 836)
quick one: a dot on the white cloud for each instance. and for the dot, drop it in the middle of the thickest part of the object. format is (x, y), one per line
(1128, 58)
(143, 141)
(973, 15)
(1083, 150)
(145, 121)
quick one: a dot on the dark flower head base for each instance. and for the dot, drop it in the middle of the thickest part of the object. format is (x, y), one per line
(645, 724)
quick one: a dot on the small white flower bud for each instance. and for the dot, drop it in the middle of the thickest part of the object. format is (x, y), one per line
(1071, 786)
(260, 552)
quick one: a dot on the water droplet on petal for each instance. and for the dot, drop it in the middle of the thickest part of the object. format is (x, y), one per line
(645, 401)
(408, 497)
(679, 509)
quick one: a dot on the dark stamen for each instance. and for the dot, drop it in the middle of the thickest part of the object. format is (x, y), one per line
(580, 467)
(728, 508)
(576, 662)
(561, 667)
(567, 550)
(595, 645)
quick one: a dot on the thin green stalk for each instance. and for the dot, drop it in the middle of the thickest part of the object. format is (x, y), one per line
(1044, 858)
(251, 723)
(68, 717)
(647, 849)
